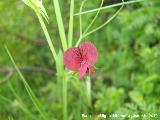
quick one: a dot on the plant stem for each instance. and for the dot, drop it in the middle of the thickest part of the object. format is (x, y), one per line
(31, 94)
(80, 18)
(79, 40)
(47, 36)
(109, 6)
(88, 86)
(95, 17)
(101, 26)
(60, 24)
(104, 24)
(70, 31)
(65, 112)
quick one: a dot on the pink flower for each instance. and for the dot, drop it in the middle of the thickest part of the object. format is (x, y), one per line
(81, 58)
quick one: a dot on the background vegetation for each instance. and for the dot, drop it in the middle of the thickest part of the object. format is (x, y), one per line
(127, 72)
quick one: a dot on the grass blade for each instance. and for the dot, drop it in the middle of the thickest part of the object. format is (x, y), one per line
(80, 18)
(60, 24)
(22, 104)
(38, 7)
(70, 31)
(5, 99)
(41, 13)
(29, 90)
(47, 37)
(10, 118)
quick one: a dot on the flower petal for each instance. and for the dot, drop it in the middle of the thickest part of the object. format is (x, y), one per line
(89, 52)
(91, 68)
(72, 59)
(83, 70)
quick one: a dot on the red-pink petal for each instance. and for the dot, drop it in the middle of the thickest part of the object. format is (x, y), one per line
(91, 68)
(83, 70)
(89, 52)
(72, 59)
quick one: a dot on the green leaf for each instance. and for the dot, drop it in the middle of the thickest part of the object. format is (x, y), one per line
(31, 94)
(38, 7)
(60, 24)
(137, 97)
(59, 64)
(71, 21)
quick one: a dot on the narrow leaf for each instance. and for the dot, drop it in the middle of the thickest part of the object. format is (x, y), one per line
(60, 24)
(70, 31)
(32, 96)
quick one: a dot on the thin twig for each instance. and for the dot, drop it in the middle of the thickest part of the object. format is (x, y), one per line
(27, 68)
(38, 42)
(10, 71)
(7, 77)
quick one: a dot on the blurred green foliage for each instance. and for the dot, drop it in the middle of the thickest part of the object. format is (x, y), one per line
(127, 72)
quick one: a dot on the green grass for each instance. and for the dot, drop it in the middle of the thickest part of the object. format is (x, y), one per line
(127, 72)
(34, 99)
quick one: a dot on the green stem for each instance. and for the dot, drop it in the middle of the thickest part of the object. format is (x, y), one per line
(47, 36)
(110, 6)
(101, 26)
(80, 18)
(108, 21)
(70, 32)
(95, 17)
(91, 23)
(88, 86)
(31, 94)
(60, 24)
(65, 112)
(79, 40)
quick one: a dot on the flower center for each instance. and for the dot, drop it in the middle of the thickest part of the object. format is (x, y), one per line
(83, 62)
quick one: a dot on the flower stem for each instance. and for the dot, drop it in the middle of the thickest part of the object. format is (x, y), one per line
(65, 113)
(88, 86)
(71, 22)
